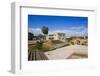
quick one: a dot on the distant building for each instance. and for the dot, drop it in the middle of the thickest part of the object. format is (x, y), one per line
(56, 36)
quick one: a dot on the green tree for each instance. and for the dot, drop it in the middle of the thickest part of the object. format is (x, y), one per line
(45, 30)
(30, 36)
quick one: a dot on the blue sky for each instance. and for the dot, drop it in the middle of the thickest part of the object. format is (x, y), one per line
(68, 24)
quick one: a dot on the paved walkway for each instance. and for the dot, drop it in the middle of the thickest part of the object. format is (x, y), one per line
(65, 52)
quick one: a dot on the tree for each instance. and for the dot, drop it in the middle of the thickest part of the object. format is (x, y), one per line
(30, 36)
(45, 30)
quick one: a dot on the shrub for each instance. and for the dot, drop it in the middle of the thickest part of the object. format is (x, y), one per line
(72, 43)
(39, 45)
(47, 45)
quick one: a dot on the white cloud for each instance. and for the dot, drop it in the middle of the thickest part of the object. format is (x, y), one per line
(78, 28)
(70, 33)
(80, 31)
(35, 31)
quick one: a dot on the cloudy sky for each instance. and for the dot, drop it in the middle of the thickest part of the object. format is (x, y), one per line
(72, 26)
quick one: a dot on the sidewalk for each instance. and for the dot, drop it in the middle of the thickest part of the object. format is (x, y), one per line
(65, 52)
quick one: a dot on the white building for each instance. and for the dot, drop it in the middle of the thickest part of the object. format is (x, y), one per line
(56, 36)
